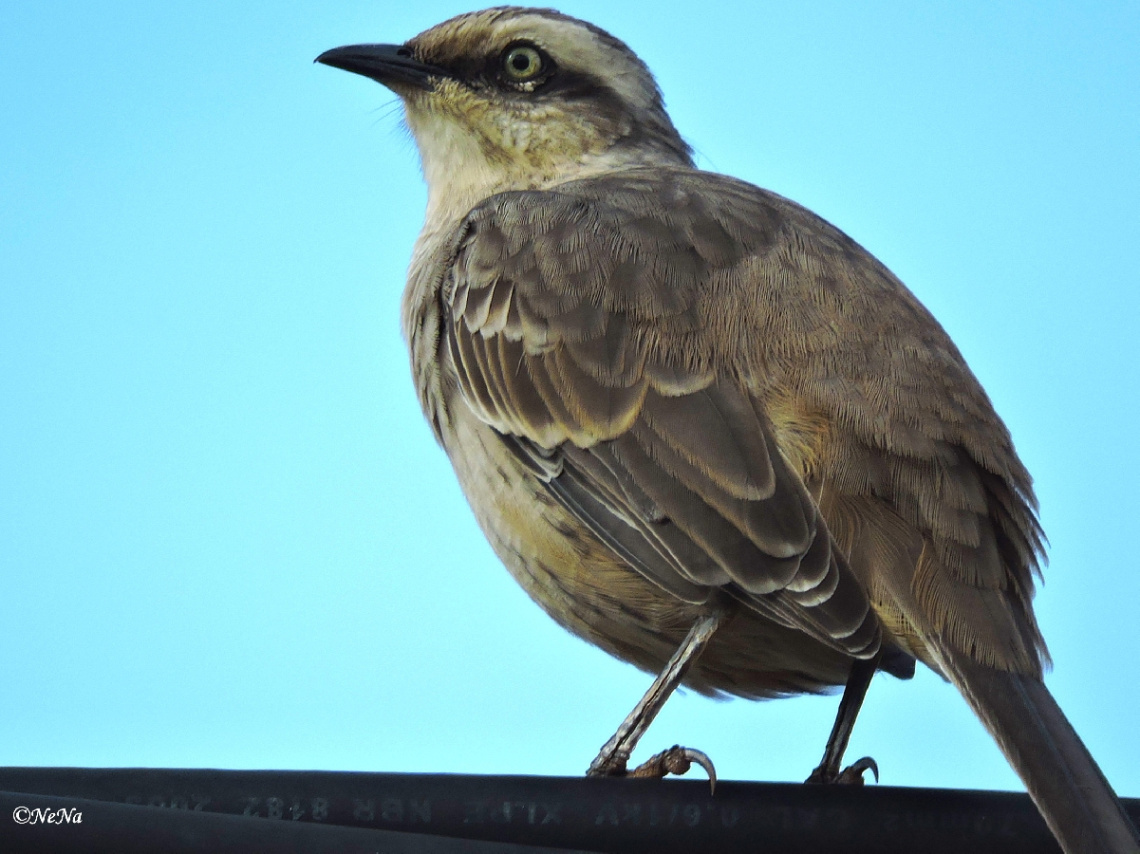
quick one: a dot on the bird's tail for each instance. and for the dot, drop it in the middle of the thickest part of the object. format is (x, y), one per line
(1060, 774)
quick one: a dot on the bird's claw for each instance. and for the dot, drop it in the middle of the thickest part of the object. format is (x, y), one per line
(852, 775)
(676, 760)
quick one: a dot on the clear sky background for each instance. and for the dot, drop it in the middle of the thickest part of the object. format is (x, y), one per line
(226, 536)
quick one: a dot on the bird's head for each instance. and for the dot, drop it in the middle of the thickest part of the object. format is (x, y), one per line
(514, 98)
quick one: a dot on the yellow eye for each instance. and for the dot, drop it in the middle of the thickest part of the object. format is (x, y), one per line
(522, 63)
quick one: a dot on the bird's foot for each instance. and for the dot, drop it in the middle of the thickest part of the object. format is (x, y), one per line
(676, 760)
(852, 775)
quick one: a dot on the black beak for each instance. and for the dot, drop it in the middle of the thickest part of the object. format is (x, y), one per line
(384, 63)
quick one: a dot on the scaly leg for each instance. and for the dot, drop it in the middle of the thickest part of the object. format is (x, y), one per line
(853, 693)
(612, 760)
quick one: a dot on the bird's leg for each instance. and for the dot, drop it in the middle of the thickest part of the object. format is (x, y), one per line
(858, 680)
(611, 761)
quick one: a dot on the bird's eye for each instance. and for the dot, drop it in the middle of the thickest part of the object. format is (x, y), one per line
(522, 63)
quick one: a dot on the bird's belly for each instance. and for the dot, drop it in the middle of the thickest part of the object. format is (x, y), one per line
(589, 590)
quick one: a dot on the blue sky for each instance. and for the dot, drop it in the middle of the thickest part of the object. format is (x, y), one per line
(226, 536)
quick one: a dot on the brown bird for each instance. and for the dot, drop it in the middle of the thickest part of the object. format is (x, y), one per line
(702, 427)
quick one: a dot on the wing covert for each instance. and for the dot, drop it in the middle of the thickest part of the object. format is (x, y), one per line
(577, 331)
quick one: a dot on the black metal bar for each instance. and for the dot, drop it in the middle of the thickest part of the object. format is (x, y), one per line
(601, 815)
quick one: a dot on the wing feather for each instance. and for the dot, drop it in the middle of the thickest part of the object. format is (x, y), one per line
(577, 331)
(634, 336)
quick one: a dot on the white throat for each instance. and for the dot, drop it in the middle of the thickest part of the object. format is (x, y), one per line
(460, 172)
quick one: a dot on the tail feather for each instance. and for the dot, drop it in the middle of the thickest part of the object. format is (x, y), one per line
(1059, 773)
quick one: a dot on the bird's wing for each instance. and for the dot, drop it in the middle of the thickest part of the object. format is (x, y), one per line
(578, 322)
(869, 400)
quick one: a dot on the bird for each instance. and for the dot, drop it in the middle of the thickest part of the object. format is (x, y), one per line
(702, 427)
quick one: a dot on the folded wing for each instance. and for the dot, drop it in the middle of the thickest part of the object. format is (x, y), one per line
(577, 327)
